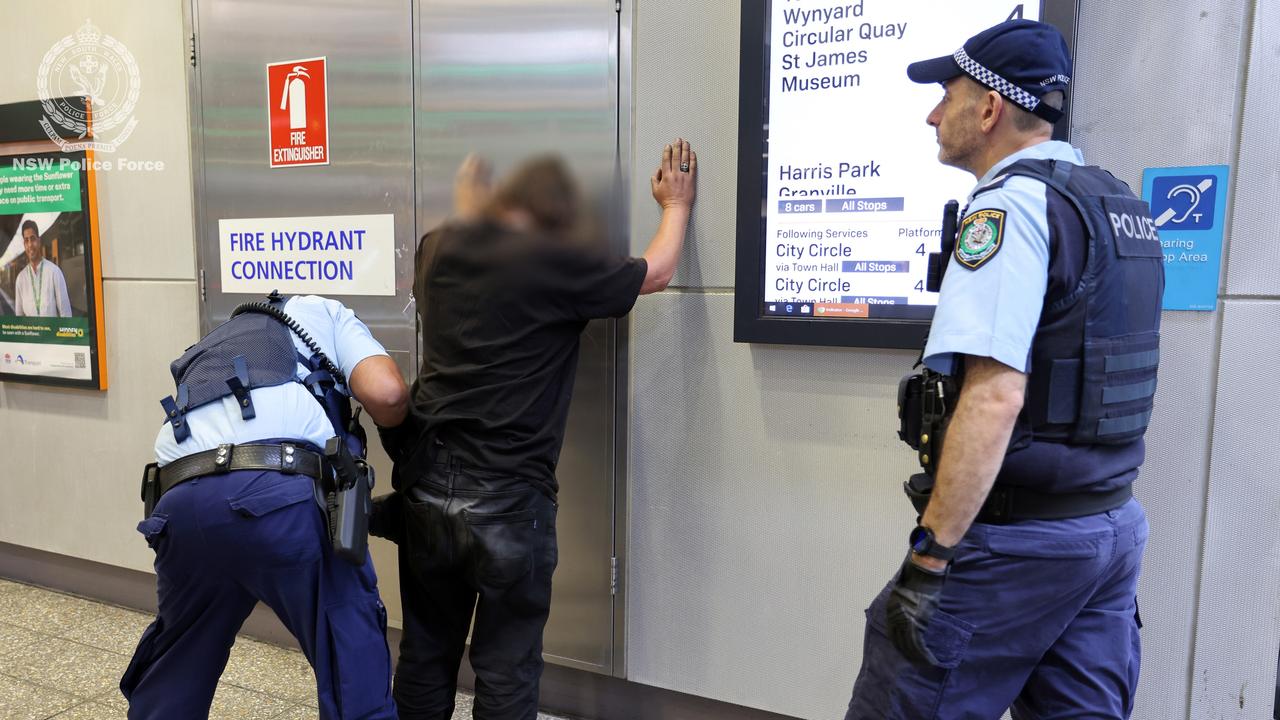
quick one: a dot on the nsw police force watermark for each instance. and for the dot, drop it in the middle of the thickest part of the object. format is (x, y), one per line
(95, 66)
(81, 164)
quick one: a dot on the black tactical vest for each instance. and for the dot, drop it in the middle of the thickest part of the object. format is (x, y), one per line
(246, 352)
(1093, 360)
(255, 349)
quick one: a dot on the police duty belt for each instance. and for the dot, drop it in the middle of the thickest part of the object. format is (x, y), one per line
(285, 458)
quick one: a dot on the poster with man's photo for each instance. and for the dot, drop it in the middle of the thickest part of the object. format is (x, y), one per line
(49, 284)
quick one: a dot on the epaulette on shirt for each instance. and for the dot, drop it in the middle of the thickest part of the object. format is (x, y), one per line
(996, 183)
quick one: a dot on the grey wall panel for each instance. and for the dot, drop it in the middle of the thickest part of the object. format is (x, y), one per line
(721, 603)
(145, 215)
(1156, 83)
(1171, 486)
(72, 459)
(130, 204)
(689, 89)
(1254, 247)
(766, 508)
(1125, 121)
(1236, 635)
(69, 473)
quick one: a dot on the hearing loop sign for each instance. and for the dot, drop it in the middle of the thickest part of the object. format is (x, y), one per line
(298, 112)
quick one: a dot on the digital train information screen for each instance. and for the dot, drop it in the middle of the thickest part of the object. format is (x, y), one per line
(840, 189)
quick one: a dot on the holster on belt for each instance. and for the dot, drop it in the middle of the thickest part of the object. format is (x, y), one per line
(150, 489)
(925, 402)
(347, 502)
(919, 488)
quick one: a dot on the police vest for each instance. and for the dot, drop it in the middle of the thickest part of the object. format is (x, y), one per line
(251, 350)
(1093, 359)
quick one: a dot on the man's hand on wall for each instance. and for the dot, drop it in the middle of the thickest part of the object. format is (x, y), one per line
(471, 187)
(674, 183)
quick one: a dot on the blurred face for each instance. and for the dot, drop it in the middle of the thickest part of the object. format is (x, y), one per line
(956, 121)
(32, 244)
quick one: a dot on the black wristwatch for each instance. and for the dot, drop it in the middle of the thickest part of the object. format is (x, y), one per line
(924, 543)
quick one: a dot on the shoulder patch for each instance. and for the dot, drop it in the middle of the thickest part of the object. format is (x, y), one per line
(981, 234)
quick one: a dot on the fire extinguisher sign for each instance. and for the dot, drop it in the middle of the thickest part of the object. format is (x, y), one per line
(298, 112)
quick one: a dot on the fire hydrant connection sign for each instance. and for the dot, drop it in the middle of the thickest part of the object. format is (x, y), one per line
(298, 112)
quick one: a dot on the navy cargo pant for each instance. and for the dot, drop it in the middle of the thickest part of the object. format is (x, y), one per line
(483, 543)
(223, 543)
(1040, 616)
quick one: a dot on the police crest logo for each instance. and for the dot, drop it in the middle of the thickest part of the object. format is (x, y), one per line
(93, 65)
(981, 234)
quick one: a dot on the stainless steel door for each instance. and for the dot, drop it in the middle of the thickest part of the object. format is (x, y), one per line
(369, 51)
(413, 88)
(508, 79)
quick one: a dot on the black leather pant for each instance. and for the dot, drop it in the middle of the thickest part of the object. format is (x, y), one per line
(483, 543)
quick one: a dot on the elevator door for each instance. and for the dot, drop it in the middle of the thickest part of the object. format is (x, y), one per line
(413, 86)
(508, 79)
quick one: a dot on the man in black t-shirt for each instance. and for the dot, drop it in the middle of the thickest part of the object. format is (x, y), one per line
(504, 292)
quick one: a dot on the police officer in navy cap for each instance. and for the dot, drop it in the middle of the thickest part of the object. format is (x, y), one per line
(260, 428)
(1019, 586)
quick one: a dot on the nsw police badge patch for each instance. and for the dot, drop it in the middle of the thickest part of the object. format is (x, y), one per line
(981, 233)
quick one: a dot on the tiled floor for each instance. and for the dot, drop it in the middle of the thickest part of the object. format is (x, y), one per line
(62, 657)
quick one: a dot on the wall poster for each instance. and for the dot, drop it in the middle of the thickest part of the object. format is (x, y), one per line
(51, 317)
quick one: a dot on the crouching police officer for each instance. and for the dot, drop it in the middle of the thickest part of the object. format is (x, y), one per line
(260, 429)
(1019, 589)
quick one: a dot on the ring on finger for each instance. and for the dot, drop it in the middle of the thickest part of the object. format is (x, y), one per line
(684, 167)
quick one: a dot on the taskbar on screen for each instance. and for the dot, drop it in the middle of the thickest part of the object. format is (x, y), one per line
(854, 309)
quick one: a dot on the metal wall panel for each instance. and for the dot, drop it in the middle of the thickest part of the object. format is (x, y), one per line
(689, 89)
(370, 85)
(766, 508)
(1236, 634)
(370, 97)
(507, 80)
(1255, 243)
(501, 78)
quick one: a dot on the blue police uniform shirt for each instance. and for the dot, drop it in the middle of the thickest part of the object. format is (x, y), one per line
(283, 411)
(993, 311)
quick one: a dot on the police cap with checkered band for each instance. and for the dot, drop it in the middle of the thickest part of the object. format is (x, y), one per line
(1021, 59)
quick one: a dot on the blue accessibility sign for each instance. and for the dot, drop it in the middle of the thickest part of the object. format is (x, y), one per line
(1189, 207)
(1184, 202)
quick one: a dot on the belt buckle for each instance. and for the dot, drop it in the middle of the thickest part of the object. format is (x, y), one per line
(222, 458)
(288, 458)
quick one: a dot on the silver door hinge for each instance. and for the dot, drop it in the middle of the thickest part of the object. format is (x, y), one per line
(613, 576)
(193, 49)
(203, 296)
